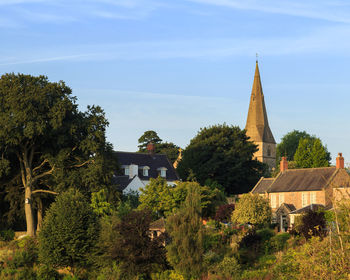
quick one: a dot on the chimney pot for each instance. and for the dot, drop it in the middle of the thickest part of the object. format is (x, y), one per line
(150, 148)
(283, 164)
(339, 162)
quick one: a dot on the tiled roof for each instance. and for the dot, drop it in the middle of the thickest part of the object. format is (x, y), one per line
(308, 179)
(312, 207)
(158, 224)
(263, 185)
(121, 181)
(289, 207)
(154, 162)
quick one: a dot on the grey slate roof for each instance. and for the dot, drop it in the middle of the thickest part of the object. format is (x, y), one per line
(121, 181)
(153, 161)
(263, 185)
(306, 179)
(313, 207)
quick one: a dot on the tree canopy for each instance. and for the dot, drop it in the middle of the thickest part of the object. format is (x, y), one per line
(185, 252)
(160, 147)
(253, 209)
(311, 153)
(289, 144)
(47, 144)
(223, 154)
(164, 200)
(70, 231)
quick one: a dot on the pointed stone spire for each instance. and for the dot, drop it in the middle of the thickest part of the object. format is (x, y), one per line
(257, 125)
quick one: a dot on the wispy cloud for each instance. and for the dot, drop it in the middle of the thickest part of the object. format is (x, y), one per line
(335, 11)
(327, 40)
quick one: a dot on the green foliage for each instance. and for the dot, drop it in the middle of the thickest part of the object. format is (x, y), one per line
(185, 252)
(163, 199)
(7, 235)
(133, 249)
(46, 141)
(253, 209)
(229, 268)
(279, 241)
(223, 154)
(167, 275)
(70, 231)
(168, 148)
(45, 272)
(311, 153)
(289, 144)
(99, 203)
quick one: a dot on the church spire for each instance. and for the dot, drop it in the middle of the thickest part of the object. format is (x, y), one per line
(257, 125)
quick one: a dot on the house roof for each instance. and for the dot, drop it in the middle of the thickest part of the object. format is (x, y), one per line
(158, 224)
(263, 185)
(153, 161)
(312, 207)
(121, 181)
(306, 179)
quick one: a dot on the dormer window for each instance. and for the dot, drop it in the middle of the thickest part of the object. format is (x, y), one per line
(126, 169)
(162, 172)
(145, 171)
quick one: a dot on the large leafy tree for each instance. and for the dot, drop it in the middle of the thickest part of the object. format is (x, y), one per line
(160, 147)
(133, 248)
(185, 252)
(47, 144)
(223, 154)
(164, 200)
(252, 208)
(311, 153)
(289, 144)
(70, 232)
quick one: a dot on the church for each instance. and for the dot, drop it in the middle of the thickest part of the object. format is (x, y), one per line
(257, 126)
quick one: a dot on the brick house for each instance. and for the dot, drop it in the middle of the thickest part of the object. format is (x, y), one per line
(295, 189)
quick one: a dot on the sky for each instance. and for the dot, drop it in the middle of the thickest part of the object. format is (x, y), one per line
(175, 66)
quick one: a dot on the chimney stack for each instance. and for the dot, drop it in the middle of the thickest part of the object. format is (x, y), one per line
(340, 161)
(150, 148)
(283, 164)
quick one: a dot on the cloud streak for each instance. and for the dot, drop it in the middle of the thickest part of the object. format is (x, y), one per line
(336, 11)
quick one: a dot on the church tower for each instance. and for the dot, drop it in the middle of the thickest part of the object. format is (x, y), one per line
(257, 126)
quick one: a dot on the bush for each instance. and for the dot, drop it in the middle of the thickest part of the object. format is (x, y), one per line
(224, 212)
(229, 268)
(312, 223)
(45, 272)
(279, 241)
(70, 231)
(7, 235)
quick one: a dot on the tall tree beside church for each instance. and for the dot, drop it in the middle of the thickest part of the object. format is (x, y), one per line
(311, 153)
(168, 148)
(289, 144)
(47, 144)
(223, 154)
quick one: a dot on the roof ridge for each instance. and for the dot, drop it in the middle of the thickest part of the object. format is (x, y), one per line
(309, 168)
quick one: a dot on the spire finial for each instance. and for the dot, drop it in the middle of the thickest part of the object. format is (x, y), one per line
(256, 55)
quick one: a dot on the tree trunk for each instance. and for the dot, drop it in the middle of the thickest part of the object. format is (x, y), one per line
(28, 208)
(40, 215)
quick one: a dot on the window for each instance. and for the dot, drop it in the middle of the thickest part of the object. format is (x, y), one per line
(313, 198)
(304, 199)
(273, 201)
(268, 151)
(145, 171)
(281, 198)
(126, 170)
(163, 173)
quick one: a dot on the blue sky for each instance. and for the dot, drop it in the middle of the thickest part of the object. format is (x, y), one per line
(175, 66)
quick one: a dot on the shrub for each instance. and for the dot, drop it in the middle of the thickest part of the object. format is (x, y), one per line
(70, 230)
(45, 272)
(229, 268)
(279, 241)
(312, 223)
(7, 235)
(224, 212)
